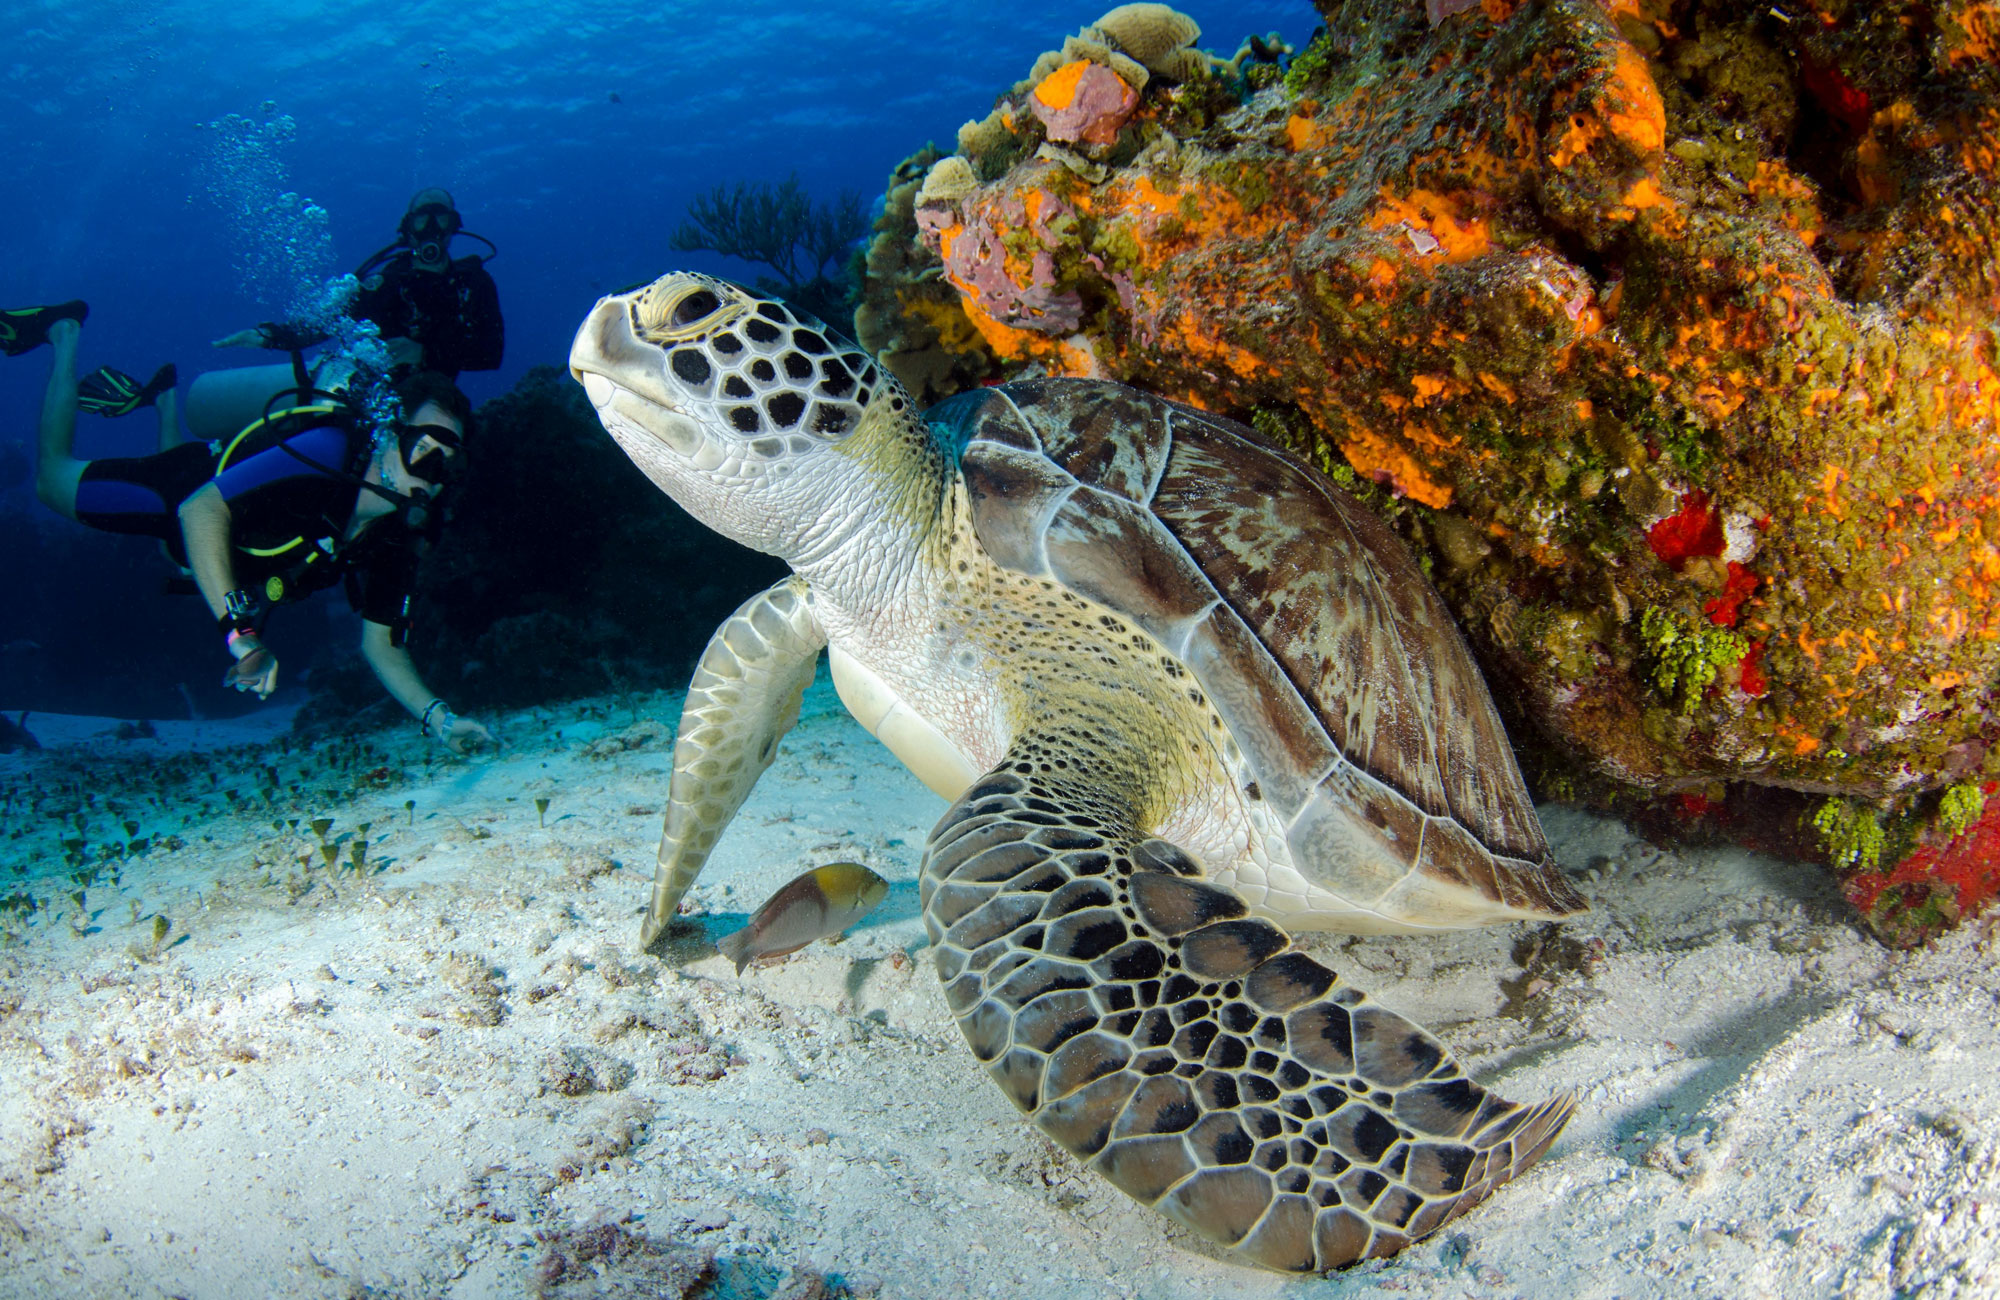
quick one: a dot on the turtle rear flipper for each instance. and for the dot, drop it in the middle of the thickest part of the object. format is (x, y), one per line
(1144, 1020)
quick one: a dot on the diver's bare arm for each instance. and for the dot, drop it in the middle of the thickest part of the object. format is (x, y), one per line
(399, 677)
(205, 525)
(394, 669)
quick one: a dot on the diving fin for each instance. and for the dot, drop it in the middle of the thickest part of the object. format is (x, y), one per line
(23, 329)
(109, 392)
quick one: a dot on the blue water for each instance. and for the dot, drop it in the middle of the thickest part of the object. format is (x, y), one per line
(186, 166)
(571, 134)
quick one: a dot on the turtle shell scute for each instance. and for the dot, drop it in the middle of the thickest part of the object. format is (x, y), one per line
(1335, 666)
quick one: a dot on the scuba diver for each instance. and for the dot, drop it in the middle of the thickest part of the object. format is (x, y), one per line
(431, 311)
(434, 311)
(302, 498)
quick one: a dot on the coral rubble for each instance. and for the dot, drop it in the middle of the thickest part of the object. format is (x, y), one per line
(1669, 331)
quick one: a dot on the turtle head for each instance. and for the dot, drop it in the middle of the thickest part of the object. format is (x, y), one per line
(735, 404)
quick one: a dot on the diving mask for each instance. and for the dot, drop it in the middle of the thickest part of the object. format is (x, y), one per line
(436, 464)
(428, 231)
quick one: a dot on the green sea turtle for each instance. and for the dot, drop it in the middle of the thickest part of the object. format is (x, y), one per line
(1178, 689)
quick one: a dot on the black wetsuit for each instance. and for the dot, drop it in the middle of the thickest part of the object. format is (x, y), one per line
(454, 313)
(289, 508)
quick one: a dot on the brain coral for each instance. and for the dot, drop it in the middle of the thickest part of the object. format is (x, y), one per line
(950, 178)
(1668, 329)
(1151, 33)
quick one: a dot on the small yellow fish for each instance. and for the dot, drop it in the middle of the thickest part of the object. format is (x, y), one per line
(822, 902)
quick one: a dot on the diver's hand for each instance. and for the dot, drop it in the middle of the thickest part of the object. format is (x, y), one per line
(256, 668)
(250, 338)
(460, 735)
(468, 737)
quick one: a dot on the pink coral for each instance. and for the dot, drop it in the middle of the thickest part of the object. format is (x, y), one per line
(1083, 102)
(1439, 10)
(1143, 313)
(968, 238)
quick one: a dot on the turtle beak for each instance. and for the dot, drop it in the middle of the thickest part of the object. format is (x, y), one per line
(625, 377)
(606, 346)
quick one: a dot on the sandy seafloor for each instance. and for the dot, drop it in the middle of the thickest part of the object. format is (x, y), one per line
(452, 1076)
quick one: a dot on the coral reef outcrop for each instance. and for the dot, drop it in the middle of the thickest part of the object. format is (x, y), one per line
(1669, 331)
(909, 315)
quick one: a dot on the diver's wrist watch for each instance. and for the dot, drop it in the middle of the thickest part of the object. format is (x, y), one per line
(239, 612)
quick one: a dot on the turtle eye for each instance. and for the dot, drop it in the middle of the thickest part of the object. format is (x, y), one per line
(695, 307)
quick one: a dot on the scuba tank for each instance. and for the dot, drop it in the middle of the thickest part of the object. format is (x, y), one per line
(220, 402)
(311, 559)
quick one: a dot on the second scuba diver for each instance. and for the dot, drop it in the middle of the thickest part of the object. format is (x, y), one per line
(435, 312)
(431, 310)
(301, 499)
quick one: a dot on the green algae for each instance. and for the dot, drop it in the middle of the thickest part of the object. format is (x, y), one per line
(1684, 441)
(1118, 247)
(1021, 243)
(1247, 181)
(1960, 806)
(1687, 656)
(1314, 65)
(1909, 916)
(1291, 428)
(1197, 105)
(1850, 833)
(1262, 76)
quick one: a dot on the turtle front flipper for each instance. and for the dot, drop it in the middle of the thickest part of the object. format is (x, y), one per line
(1185, 1051)
(744, 697)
